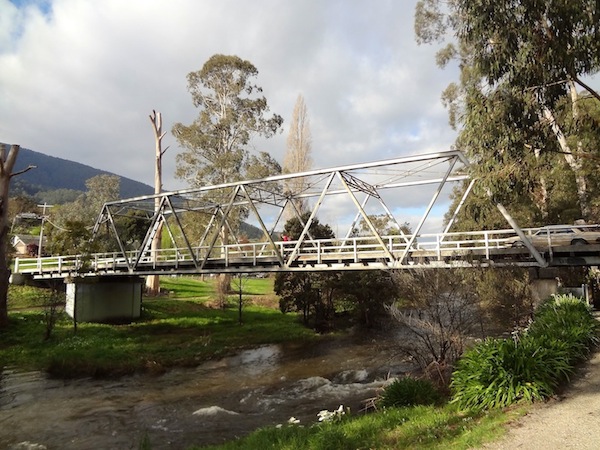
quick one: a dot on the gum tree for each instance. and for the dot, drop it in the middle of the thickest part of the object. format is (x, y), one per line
(232, 111)
(518, 102)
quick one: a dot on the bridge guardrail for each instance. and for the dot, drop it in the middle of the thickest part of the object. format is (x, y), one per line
(254, 253)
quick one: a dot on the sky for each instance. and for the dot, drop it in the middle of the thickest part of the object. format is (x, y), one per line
(79, 78)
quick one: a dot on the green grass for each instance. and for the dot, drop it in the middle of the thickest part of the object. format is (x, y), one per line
(422, 427)
(178, 331)
(23, 297)
(184, 287)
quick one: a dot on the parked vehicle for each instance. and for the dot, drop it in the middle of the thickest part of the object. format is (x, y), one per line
(561, 235)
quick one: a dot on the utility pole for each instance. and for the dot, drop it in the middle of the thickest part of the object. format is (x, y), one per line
(44, 206)
(153, 281)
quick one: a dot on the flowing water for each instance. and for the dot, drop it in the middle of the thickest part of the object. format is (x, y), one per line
(217, 401)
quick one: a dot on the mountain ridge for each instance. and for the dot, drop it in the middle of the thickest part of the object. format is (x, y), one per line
(53, 173)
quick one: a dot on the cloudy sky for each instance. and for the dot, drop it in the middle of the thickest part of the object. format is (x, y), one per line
(80, 77)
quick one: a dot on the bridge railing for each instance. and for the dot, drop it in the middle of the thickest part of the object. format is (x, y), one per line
(317, 251)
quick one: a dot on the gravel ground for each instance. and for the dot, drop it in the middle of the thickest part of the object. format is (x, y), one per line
(570, 421)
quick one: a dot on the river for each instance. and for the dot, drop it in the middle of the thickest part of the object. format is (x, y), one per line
(214, 402)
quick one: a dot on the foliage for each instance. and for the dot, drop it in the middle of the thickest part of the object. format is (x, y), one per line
(310, 293)
(320, 295)
(86, 208)
(522, 121)
(366, 293)
(74, 239)
(505, 296)
(567, 319)
(72, 222)
(397, 428)
(298, 155)
(52, 309)
(231, 112)
(499, 372)
(409, 391)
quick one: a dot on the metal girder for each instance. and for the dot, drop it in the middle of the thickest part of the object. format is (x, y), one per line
(429, 207)
(373, 179)
(366, 218)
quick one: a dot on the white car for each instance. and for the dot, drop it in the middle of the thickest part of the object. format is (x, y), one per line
(561, 235)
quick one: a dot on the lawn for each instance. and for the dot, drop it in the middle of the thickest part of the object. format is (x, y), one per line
(178, 329)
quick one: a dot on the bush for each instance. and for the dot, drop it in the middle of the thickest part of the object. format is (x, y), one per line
(568, 319)
(500, 372)
(409, 391)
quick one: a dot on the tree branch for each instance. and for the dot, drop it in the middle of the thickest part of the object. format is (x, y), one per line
(14, 174)
(586, 87)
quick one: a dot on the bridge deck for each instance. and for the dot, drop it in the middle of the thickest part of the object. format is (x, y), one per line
(482, 249)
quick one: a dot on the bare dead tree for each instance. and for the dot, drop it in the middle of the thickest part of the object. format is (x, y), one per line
(438, 311)
(153, 281)
(8, 158)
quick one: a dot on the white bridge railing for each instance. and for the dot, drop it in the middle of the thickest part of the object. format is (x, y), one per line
(266, 255)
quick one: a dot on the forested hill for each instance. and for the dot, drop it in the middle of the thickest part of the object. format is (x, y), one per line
(61, 175)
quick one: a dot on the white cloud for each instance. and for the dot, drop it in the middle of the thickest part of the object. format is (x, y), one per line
(80, 77)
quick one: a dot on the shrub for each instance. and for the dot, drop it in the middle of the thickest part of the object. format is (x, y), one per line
(499, 372)
(568, 319)
(409, 391)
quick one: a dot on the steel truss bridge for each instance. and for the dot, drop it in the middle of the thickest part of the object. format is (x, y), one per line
(202, 226)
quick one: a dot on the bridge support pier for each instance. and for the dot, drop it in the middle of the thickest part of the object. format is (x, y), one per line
(104, 299)
(543, 283)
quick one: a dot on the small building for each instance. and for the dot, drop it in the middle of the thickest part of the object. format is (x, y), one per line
(27, 245)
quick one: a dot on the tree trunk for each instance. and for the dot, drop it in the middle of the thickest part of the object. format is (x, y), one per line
(153, 281)
(574, 163)
(7, 163)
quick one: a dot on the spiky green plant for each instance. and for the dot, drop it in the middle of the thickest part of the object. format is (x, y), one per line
(409, 391)
(499, 372)
(568, 319)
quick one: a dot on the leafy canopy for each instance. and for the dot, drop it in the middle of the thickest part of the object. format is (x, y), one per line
(232, 111)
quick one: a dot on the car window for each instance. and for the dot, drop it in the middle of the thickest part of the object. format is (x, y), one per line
(562, 231)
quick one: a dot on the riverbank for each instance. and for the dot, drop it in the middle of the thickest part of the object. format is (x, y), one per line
(180, 329)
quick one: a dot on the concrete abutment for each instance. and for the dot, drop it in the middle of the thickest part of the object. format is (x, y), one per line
(104, 299)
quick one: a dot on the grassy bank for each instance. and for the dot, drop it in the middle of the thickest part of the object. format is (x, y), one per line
(422, 427)
(179, 329)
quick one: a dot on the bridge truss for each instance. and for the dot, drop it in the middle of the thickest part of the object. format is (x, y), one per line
(202, 225)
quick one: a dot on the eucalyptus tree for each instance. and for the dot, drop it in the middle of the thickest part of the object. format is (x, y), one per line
(521, 64)
(232, 110)
(87, 206)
